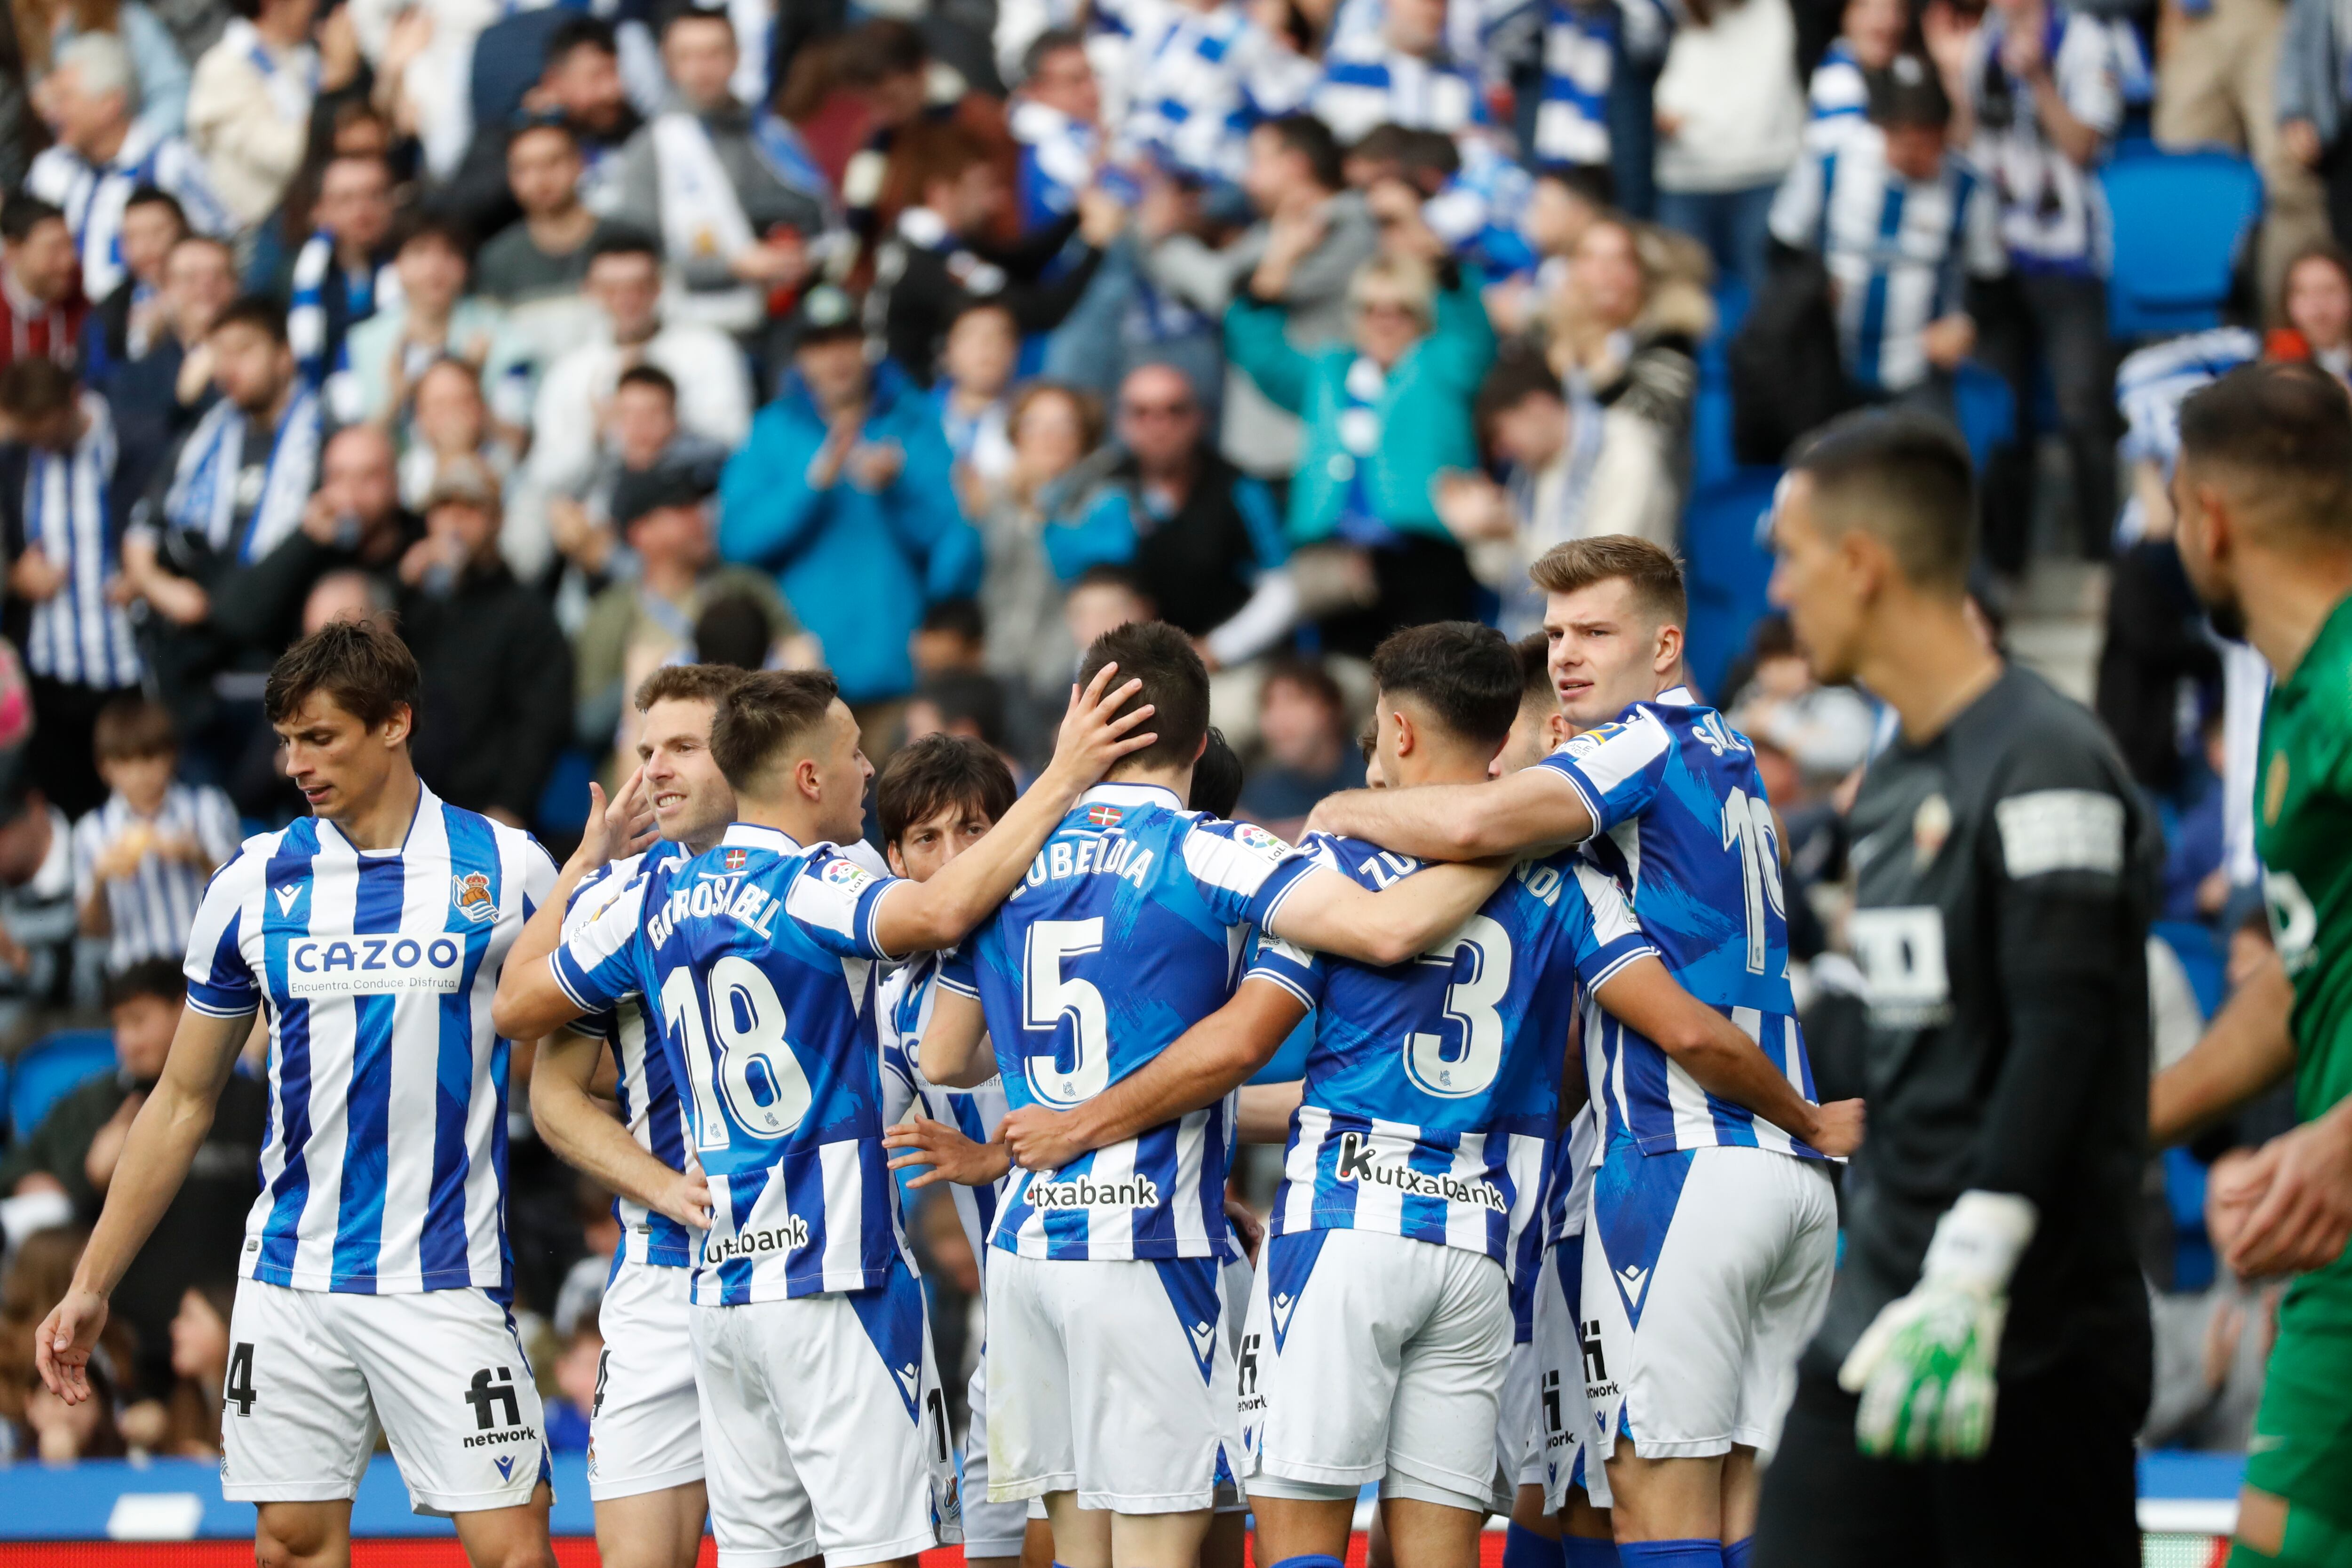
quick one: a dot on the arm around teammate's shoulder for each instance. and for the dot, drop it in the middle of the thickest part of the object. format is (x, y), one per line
(1534, 809)
(1326, 910)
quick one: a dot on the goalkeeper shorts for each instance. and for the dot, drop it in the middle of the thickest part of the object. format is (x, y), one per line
(2302, 1448)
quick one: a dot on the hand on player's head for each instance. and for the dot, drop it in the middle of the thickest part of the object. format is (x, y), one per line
(1095, 734)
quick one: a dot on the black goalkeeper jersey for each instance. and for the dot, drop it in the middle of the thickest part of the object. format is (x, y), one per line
(2005, 872)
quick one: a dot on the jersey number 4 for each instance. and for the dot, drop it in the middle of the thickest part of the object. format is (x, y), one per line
(737, 1056)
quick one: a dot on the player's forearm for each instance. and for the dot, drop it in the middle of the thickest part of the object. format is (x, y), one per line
(924, 917)
(1266, 1110)
(2249, 1047)
(1394, 925)
(1206, 1063)
(1461, 822)
(1715, 1051)
(529, 1003)
(582, 1133)
(954, 1050)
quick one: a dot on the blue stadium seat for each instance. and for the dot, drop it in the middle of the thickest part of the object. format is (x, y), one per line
(46, 1069)
(1987, 410)
(2180, 221)
(1727, 567)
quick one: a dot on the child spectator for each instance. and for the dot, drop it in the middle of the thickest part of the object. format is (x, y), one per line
(1303, 720)
(199, 1369)
(983, 345)
(575, 1371)
(141, 859)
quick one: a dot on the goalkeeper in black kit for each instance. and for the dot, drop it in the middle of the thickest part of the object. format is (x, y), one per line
(1972, 1393)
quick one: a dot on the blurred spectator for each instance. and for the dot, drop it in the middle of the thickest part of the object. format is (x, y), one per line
(1385, 417)
(2196, 879)
(343, 270)
(733, 231)
(2212, 1346)
(1103, 599)
(1206, 536)
(1899, 225)
(449, 423)
(1562, 203)
(1056, 118)
(131, 318)
(41, 303)
(75, 1148)
(937, 259)
(1871, 33)
(983, 345)
(141, 859)
(1198, 84)
(103, 153)
(39, 1272)
(1825, 731)
(1579, 64)
(1037, 541)
(1571, 472)
(1623, 333)
(1303, 721)
(349, 595)
(494, 673)
(2036, 95)
(56, 474)
(952, 639)
(536, 270)
(1730, 120)
(200, 1348)
(159, 76)
(641, 430)
(159, 392)
(2317, 303)
(39, 977)
(580, 87)
(1398, 73)
(844, 490)
(963, 703)
(634, 627)
(249, 104)
(578, 1374)
(434, 317)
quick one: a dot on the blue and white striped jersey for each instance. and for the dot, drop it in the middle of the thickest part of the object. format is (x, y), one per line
(93, 198)
(2150, 386)
(1837, 99)
(903, 1013)
(1199, 83)
(1682, 823)
(1367, 83)
(65, 509)
(762, 958)
(1580, 50)
(1568, 1189)
(1128, 930)
(1432, 1093)
(650, 1107)
(384, 1169)
(1900, 251)
(1057, 160)
(2052, 215)
(151, 911)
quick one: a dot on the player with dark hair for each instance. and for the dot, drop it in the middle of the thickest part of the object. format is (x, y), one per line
(1540, 728)
(2264, 491)
(1984, 1361)
(376, 1269)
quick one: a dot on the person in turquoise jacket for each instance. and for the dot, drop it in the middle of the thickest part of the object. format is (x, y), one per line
(1385, 415)
(843, 491)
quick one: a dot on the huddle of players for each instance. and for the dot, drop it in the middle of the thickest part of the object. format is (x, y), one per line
(1116, 967)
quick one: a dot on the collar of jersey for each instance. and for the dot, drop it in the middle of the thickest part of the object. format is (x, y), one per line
(1676, 696)
(1130, 794)
(752, 836)
(425, 797)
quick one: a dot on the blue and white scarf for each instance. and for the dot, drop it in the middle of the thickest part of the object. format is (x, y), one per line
(203, 496)
(366, 291)
(1360, 429)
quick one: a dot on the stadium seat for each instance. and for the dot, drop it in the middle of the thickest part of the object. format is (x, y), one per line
(45, 1070)
(2179, 224)
(1987, 410)
(1727, 567)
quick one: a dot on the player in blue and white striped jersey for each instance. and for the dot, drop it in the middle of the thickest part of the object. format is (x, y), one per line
(377, 1271)
(1712, 1231)
(762, 955)
(646, 1460)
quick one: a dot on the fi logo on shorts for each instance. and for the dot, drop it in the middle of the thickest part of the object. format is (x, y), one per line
(487, 1393)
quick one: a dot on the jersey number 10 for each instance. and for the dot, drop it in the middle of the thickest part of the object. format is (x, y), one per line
(753, 1071)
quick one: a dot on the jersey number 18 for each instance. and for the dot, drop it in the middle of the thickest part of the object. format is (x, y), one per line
(752, 1070)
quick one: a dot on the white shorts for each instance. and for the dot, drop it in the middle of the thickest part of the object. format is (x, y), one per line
(990, 1529)
(1562, 1356)
(312, 1372)
(644, 1434)
(1111, 1379)
(825, 1428)
(1518, 1447)
(1373, 1357)
(1705, 1272)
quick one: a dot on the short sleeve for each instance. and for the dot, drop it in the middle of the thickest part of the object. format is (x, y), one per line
(220, 982)
(591, 898)
(958, 971)
(1241, 870)
(216, 824)
(1609, 937)
(1617, 768)
(832, 899)
(595, 966)
(1288, 965)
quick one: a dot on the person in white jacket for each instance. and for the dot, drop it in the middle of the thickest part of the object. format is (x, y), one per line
(1730, 119)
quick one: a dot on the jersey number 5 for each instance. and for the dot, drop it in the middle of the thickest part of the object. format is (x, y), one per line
(1047, 996)
(753, 1069)
(1470, 1003)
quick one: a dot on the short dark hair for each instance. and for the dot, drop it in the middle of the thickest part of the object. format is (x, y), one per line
(688, 11)
(1517, 374)
(1465, 675)
(1534, 670)
(1175, 683)
(688, 683)
(1384, 143)
(33, 388)
(766, 714)
(158, 978)
(1907, 93)
(130, 728)
(2288, 429)
(424, 224)
(732, 630)
(578, 31)
(1217, 777)
(1052, 41)
(957, 617)
(1589, 182)
(880, 50)
(258, 311)
(1654, 573)
(362, 664)
(968, 696)
(23, 213)
(157, 196)
(927, 775)
(1907, 478)
(1311, 140)
(651, 375)
(1306, 674)
(621, 240)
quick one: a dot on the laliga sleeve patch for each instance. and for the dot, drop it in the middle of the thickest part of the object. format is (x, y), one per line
(2061, 830)
(848, 877)
(1584, 743)
(1250, 836)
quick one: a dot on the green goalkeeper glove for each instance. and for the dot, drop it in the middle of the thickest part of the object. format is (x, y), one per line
(1925, 1366)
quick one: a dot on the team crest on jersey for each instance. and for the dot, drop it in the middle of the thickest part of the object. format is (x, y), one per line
(1103, 815)
(470, 895)
(844, 874)
(736, 858)
(1930, 825)
(1251, 835)
(1585, 743)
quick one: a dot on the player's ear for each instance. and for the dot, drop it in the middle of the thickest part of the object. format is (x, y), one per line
(1406, 740)
(396, 727)
(1667, 651)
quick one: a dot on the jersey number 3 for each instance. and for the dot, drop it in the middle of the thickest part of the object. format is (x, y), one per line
(1470, 1002)
(752, 1070)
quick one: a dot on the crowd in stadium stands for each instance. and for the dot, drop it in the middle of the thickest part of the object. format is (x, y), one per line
(927, 339)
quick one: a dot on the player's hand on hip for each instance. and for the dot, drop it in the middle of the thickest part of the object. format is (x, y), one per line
(2300, 1188)
(1095, 734)
(61, 1345)
(951, 1156)
(1248, 1226)
(1925, 1367)
(1039, 1140)
(687, 1199)
(1837, 1128)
